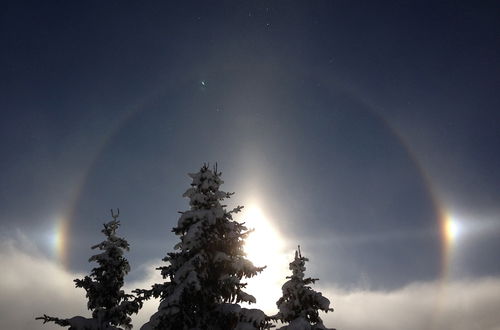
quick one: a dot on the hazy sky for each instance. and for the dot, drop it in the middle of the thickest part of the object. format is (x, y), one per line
(357, 129)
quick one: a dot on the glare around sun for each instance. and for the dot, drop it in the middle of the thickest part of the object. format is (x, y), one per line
(265, 247)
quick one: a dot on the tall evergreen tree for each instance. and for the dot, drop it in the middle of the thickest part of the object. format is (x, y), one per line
(111, 307)
(204, 275)
(300, 304)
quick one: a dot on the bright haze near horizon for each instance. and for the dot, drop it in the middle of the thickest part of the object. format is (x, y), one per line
(366, 132)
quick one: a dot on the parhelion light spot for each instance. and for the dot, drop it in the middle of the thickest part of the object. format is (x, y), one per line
(451, 229)
(59, 239)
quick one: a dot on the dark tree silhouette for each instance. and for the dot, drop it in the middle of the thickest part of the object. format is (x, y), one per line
(111, 307)
(204, 275)
(300, 304)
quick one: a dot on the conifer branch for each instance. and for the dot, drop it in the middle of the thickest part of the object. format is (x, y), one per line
(56, 320)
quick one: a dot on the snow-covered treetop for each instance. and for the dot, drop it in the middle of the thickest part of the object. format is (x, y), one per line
(298, 267)
(300, 304)
(204, 191)
(205, 199)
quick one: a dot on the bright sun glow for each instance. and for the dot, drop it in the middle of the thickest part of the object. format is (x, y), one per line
(265, 247)
(452, 229)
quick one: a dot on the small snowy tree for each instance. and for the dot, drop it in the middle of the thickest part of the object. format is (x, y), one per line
(204, 275)
(109, 304)
(300, 304)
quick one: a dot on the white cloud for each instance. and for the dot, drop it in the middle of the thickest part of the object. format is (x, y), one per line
(460, 305)
(32, 285)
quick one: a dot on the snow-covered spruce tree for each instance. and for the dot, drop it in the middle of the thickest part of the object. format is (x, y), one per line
(109, 304)
(300, 304)
(204, 275)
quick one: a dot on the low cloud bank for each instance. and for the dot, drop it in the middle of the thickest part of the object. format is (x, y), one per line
(458, 305)
(32, 285)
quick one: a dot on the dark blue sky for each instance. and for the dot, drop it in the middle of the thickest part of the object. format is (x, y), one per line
(356, 123)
